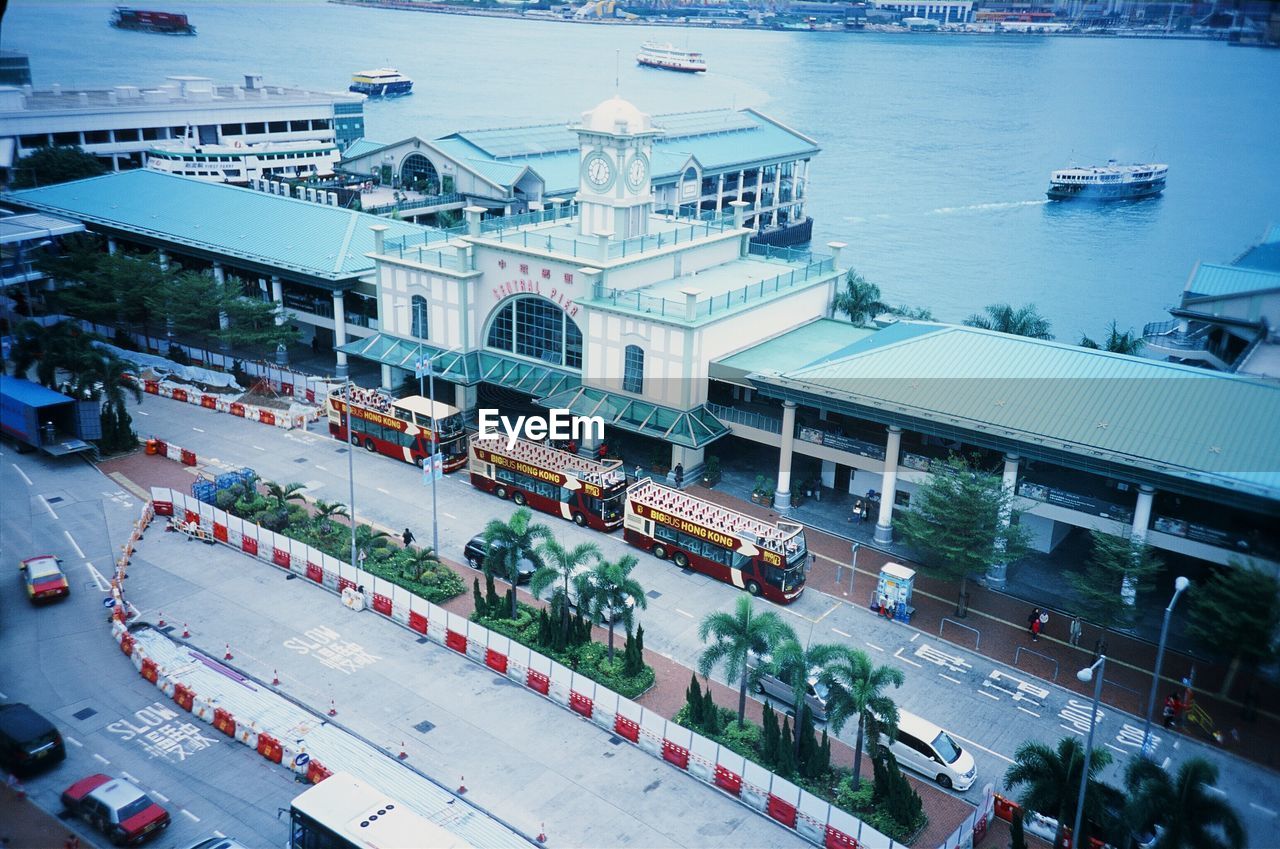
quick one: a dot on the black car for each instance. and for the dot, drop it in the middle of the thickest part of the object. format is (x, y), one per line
(477, 549)
(28, 741)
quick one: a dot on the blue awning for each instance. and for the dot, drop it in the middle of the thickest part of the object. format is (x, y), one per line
(692, 428)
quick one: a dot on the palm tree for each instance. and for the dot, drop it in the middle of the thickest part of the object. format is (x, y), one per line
(1192, 816)
(1023, 321)
(607, 590)
(558, 566)
(420, 561)
(1052, 782)
(793, 662)
(738, 636)
(855, 691)
(326, 511)
(860, 299)
(510, 541)
(286, 493)
(372, 541)
(1116, 342)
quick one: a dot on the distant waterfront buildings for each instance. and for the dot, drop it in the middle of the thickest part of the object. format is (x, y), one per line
(942, 11)
(120, 124)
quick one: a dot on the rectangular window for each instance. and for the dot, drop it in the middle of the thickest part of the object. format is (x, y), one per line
(132, 134)
(278, 126)
(152, 133)
(233, 129)
(38, 140)
(66, 138)
(255, 129)
(97, 137)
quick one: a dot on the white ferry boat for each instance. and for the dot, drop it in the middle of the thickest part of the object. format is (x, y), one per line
(381, 82)
(1108, 182)
(240, 164)
(655, 55)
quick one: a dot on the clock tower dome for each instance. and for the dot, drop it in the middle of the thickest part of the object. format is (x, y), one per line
(615, 194)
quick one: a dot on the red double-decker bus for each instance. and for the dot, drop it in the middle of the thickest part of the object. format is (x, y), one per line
(764, 558)
(587, 492)
(397, 427)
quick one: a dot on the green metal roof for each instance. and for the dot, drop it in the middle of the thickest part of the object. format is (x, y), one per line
(1165, 418)
(787, 351)
(692, 429)
(360, 147)
(1216, 281)
(324, 243)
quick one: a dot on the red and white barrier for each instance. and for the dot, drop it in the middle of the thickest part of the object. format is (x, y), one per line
(224, 404)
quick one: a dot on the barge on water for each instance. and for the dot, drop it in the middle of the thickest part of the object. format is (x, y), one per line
(145, 20)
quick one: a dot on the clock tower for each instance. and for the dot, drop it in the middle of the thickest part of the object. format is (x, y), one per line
(615, 194)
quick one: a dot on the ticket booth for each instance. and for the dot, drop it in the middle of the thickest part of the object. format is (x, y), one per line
(892, 596)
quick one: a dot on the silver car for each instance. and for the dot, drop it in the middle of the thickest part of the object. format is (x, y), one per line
(772, 685)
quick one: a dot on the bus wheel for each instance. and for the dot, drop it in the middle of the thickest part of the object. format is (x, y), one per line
(518, 498)
(369, 446)
(680, 559)
(355, 439)
(501, 492)
(580, 520)
(753, 588)
(660, 552)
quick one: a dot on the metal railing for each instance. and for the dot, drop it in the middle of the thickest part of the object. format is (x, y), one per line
(750, 418)
(427, 237)
(595, 249)
(414, 203)
(555, 212)
(1167, 334)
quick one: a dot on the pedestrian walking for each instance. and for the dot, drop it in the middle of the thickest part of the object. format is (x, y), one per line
(679, 475)
(1076, 629)
(638, 471)
(408, 537)
(1033, 623)
(855, 515)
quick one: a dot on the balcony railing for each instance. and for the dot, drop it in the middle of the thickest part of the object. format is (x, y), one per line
(594, 249)
(432, 236)
(1167, 334)
(555, 212)
(414, 203)
(749, 418)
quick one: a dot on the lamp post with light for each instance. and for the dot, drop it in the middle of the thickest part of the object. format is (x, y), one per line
(1086, 675)
(1179, 584)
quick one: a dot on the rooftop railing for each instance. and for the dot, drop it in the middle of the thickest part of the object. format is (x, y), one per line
(595, 249)
(554, 212)
(415, 203)
(432, 236)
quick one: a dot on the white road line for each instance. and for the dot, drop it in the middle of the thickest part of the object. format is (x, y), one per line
(1073, 730)
(383, 491)
(448, 515)
(100, 758)
(72, 540)
(48, 507)
(129, 777)
(683, 613)
(198, 429)
(949, 678)
(73, 741)
(3, 696)
(915, 636)
(22, 473)
(1165, 765)
(259, 447)
(842, 633)
(1258, 807)
(192, 816)
(160, 796)
(219, 834)
(873, 645)
(141, 413)
(983, 748)
(321, 468)
(988, 695)
(1024, 710)
(898, 655)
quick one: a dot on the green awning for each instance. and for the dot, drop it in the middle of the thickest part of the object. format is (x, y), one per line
(467, 369)
(692, 429)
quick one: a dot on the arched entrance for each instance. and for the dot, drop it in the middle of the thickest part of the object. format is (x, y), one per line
(419, 175)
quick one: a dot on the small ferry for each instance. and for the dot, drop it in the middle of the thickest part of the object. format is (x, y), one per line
(144, 20)
(655, 55)
(239, 164)
(381, 82)
(1108, 182)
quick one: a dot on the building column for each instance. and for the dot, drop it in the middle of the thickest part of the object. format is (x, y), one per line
(691, 459)
(888, 486)
(1138, 534)
(777, 193)
(220, 277)
(998, 570)
(339, 333)
(782, 497)
(465, 398)
(111, 245)
(277, 295)
(759, 191)
(719, 194)
(163, 257)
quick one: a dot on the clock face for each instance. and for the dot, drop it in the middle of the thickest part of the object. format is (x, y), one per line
(599, 170)
(637, 172)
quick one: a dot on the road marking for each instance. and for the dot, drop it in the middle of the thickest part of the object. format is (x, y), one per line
(1258, 807)
(1024, 710)
(219, 834)
(842, 633)
(100, 758)
(48, 507)
(141, 413)
(160, 796)
(322, 468)
(259, 447)
(73, 741)
(3, 696)
(915, 637)
(1215, 791)
(129, 777)
(834, 608)
(192, 816)
(988, 695)
(1072, 729)
(22, 473)
(898, 655)
(1165, 765)
(949, 678)
(983, 748)
(682, 613)
(72, 540)
(383, 491)
(198, 429)
(874, 646)
(448, 515)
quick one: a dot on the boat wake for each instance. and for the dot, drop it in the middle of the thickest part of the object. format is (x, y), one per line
(947, 210)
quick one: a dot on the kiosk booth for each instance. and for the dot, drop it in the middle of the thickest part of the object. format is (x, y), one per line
(892, 596)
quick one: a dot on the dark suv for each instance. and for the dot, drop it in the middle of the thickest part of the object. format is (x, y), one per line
(28, 741)
(477, 549)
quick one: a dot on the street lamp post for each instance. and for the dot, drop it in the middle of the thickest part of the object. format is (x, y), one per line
(1179, 584)
(1086, 675)
(351, 475)
(430, 465)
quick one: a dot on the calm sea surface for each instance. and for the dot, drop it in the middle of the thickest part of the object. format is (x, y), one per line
(936, 151)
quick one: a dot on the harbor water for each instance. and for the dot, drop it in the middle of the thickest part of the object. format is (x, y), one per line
(936, 150)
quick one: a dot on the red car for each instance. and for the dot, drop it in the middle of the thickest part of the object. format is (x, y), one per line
(118, 809)
(43, 578)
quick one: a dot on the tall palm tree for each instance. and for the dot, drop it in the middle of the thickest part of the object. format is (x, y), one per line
(286, 493)
(859, 299)
(1116, 342)
(326, 511)
(738, 636)
(557, 567)
(510, 541)
(1191, 815)
(607, 591)
(793, 662)
(856, 691)
(1023, 321)
(1051, 780)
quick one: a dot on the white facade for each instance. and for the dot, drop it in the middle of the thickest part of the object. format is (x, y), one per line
(942, 11)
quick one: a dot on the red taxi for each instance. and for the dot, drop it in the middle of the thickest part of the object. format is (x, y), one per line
(118, 809)
(42, 576)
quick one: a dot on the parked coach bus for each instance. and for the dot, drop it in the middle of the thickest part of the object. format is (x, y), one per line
(764, 558)
(399, 428)
(343, 812)
(587, 492)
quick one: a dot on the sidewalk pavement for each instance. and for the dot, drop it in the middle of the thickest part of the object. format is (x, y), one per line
(23, 825)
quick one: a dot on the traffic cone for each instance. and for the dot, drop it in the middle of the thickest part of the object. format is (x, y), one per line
(186, 632)
(403, 754)
(275, 678)
(462, 785)
(228, 655)
(160, 622)
(542, 834)
(333, 708)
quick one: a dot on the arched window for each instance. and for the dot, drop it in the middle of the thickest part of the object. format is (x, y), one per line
(633, 370)
(418, 311)
(417, 172)
(535, 327)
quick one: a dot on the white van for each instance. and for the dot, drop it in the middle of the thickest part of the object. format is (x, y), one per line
(927, 749)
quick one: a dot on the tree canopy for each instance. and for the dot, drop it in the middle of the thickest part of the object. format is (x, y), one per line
(1022, 321)
(859, 299)
(1116, 571)
(46, 166)
(1236, 613)
(1116, 342)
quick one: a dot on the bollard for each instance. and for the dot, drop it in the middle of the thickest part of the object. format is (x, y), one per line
(542, 834)
(186, 632)
(275, 678)
(462, 785)
(403, 754)
(228, 655)
(333, 708)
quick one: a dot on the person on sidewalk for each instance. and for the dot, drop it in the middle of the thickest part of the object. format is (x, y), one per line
(1033, 624)
(679, 475)
(1076, 629)
(408, 537)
